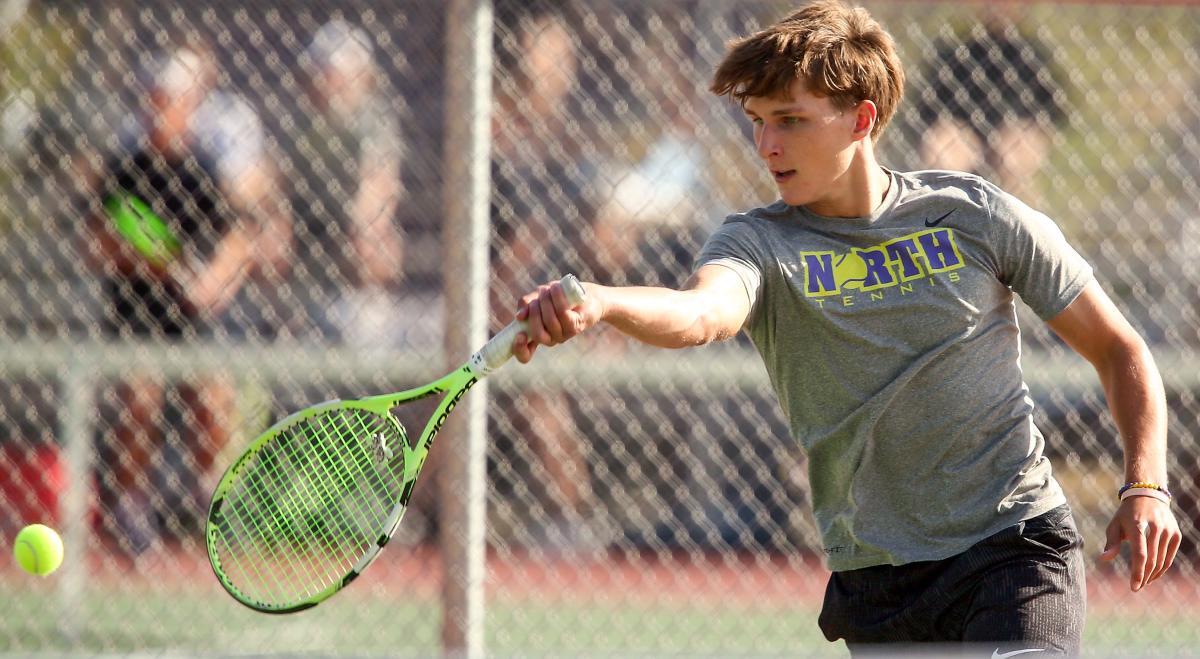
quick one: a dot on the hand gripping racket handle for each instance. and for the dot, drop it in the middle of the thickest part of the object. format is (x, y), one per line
(499, 349)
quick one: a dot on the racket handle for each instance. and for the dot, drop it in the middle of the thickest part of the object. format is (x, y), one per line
(500, 348)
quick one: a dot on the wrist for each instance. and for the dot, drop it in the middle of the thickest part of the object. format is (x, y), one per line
(1144, 489)
(599, 295)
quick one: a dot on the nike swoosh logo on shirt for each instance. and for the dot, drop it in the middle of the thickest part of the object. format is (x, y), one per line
(996, 653)
(934, 224)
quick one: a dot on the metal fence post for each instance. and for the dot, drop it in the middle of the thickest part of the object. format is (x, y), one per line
(466, 189)
(78, 382)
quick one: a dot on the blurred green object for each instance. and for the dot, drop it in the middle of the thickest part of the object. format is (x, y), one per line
(146, 231)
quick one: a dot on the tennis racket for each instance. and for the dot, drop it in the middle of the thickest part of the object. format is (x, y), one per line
(145, 230)
(314, 499)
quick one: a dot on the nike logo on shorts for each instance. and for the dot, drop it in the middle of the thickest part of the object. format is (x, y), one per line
(996, 654)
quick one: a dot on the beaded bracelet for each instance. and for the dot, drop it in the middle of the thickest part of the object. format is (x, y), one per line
(1144, 489)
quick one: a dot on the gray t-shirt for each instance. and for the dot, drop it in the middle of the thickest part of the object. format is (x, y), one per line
(892, 343)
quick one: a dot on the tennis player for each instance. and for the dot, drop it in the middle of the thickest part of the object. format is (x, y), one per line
(882, 304)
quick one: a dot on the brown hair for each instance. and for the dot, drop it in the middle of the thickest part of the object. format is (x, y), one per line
(840, 52)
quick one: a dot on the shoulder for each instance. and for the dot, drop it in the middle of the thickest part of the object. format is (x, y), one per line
(757, 226)
(748, 234)
(959, 189)
(229, 133)
(761, 216)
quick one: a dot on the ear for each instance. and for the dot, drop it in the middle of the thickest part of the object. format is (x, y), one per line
(865, 114)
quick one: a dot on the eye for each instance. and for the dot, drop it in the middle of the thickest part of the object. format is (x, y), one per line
(789, 121)
(757, 121)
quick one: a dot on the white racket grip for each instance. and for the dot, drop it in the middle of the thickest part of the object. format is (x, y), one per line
(500, 348)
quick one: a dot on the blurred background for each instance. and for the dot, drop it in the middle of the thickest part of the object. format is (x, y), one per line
(638, 501)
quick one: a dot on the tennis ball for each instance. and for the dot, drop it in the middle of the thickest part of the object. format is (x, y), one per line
(38, 549)
(850, 271)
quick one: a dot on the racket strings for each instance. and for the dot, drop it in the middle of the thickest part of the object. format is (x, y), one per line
(310, 504)
(313, 489)
(257, 534)
(367, 475)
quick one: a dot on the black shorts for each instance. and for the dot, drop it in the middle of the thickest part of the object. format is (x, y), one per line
(1022, 588)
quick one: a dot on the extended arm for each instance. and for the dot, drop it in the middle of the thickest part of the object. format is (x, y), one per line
(377, 244)
(711, 307)
(1095, 328)
(259, 242)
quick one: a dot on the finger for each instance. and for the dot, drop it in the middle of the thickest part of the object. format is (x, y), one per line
(1153, 538)
(572, 323)
(535, 331)
(559, 298)
(1176, 540)
(520, 347)
(521, 352)
(529, 297)
(1162, 546)
(529, 349)
(1169, 546)
(1137, 560)
(559, 295)
(549, 309)
(1112, 541)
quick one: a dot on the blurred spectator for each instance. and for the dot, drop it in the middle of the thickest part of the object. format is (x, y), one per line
(541, 168)
(658, 210)
(229, 131)
(347, 161)
(168, 282)
(991, 103)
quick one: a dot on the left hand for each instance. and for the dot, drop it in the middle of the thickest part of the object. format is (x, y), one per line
(1150, 528)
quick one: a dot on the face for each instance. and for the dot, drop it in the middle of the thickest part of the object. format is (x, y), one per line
(550, 64)
(807, 144)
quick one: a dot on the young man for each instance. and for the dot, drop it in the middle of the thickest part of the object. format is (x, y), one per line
(883, 306)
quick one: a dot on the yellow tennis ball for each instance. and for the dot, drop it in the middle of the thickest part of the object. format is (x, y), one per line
(38, 549)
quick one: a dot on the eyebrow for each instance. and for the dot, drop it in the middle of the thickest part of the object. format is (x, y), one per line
(781, 111)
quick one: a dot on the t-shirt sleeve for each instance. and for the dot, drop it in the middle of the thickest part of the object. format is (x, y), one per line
(733, 246)
(1034, 257)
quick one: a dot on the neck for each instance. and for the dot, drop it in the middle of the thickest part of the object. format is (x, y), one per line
(860, 190)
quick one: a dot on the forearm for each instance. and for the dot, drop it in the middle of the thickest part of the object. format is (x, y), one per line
(1135, 396)
(376, 241)
(1136, 399)
(210, 287)
(711, 307)
(661, 317)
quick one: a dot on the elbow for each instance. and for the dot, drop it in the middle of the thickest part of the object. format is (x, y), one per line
(700, 332)
(1128, 356)
(710, 328)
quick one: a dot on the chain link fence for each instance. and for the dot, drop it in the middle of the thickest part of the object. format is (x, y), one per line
(638, 501)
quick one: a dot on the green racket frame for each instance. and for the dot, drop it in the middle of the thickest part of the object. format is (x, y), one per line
(452, 387)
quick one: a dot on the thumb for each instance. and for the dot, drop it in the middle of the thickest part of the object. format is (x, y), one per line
(1112, 544)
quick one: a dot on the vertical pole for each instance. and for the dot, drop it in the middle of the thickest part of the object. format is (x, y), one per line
(78, 395)
(465, 235)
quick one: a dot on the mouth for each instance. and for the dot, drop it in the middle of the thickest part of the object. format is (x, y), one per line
(783, 175)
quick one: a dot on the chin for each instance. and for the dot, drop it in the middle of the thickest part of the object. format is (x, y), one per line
(793, 199)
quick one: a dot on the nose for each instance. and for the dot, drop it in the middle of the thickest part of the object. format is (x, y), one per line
(767, 142)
